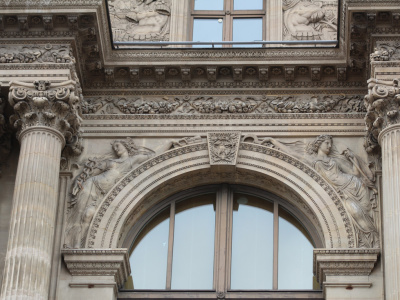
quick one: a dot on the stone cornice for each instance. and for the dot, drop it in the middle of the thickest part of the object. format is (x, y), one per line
(98, 262)
(344, 262)
(45, 104)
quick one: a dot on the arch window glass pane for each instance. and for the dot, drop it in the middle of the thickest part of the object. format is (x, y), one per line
(295, 256)
(252, 240)
(193, 251)
(150, 252)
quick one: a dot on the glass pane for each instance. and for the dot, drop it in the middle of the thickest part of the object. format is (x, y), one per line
(207, 30)
(193, 257)
(247, 30)
(149, 256)
(208, 4)
(252, 243)
(247, 4)
(295, 255)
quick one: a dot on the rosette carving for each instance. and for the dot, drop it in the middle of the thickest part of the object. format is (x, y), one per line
(382, 103)
(42, 103)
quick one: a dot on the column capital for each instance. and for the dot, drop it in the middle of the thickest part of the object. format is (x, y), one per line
(46, 104)
(382, 103)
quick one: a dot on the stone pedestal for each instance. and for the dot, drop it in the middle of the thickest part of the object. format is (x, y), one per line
(389, 140)
(97, 273)
(44, 116)
(344, 273)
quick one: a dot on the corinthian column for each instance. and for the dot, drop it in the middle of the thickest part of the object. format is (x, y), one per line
(45, 116)
(383, 124)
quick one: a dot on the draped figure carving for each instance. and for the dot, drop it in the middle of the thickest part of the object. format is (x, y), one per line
(348, 174)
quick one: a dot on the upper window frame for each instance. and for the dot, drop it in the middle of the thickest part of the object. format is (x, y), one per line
(227, 15)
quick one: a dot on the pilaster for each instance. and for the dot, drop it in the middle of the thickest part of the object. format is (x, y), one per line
(383, 129)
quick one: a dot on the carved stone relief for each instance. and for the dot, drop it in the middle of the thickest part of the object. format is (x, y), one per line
(386, 51)
(348, 174)
(223, 105)
(223, 147)
(36, 54)
(140, 20)
(310, 20)
(98, 175)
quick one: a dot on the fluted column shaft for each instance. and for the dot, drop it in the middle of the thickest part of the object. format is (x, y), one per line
(29, 252)
(45, 113)
(390, 144)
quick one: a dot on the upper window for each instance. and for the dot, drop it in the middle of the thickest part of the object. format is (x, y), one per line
(228, 20)
(223, 238)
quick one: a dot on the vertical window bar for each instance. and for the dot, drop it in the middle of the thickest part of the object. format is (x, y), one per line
(276, 247)
(220, 265)
(170, 245)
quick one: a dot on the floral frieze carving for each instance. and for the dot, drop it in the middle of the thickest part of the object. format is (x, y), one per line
(382, 104)
(223, 147)
(310, 20)
(36, 54)
(224, 105)
(140, 20)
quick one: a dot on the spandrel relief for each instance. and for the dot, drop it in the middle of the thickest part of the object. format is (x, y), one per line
(140, 20)
(347, 172)
(99, 174)
(310, 19)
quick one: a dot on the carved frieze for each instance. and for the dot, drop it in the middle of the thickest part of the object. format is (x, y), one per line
(223, 147)
(382, 103)
(223, 105)
(140, 20)
(42, 103)
(36, 54)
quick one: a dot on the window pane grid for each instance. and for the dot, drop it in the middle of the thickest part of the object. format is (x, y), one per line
(228, 15)
(243, 228)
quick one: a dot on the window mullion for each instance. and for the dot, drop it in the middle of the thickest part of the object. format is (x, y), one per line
(276, 247)
(170, 245)
(221, 240)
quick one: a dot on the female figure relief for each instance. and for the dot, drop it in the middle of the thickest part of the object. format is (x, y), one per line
(350, 176)
(96, 179)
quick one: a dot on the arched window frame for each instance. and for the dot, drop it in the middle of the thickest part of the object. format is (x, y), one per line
(223, 245)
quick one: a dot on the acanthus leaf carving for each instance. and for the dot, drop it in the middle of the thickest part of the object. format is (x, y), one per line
(42, 103)
(382, 103)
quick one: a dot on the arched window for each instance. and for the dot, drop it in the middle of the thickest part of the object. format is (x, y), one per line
(225, 239)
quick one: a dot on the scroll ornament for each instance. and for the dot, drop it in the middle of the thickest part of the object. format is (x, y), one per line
(382, 103)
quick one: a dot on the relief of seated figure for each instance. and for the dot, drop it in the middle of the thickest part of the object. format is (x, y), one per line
(308, 20)
(140, 20)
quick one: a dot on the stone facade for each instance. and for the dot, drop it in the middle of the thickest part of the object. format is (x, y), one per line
(94, 134)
